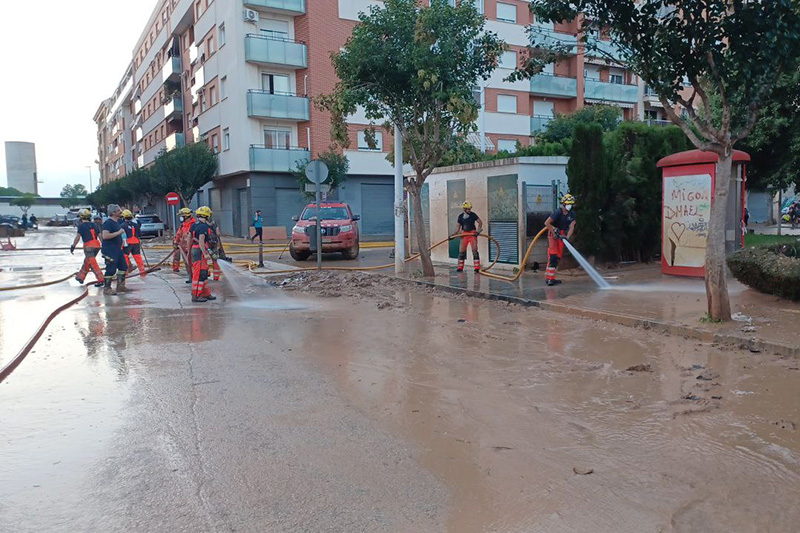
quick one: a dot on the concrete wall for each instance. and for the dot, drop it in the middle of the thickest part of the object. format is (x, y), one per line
(529, 170)
(21, 166)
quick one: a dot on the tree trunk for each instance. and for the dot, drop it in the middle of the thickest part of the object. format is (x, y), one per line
(719, 306)
(419, 226)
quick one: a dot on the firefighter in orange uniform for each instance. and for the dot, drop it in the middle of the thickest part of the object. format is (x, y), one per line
(200, 233)
(91, 247)
(182, 242)
(132, 233)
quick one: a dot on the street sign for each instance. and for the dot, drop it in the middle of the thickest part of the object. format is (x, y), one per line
(173, 198)
(310, 187)
(317, 171)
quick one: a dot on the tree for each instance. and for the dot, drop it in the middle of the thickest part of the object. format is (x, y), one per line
(338, 165)
(588, 176)
(735, 49)
(563, 126)
(138, 184)
(183, 170)
(10, 191)
(414, 67)
(24, 202)
(74, 191)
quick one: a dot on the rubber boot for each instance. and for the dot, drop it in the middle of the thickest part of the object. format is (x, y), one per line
(107, 289)
(121, 285)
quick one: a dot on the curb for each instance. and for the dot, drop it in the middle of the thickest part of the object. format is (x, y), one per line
(737, 341)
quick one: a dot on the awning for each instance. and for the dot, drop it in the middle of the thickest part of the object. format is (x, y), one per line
(475, 140)
(624, 105)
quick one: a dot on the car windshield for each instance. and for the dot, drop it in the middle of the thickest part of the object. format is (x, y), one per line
(328, 213)
(149, 219)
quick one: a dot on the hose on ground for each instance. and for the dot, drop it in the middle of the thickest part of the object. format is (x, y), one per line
(524, 262)
(42, 284)
(14, 363)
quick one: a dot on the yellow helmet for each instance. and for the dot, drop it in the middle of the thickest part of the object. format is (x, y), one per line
(185, 212)
(568, 199)
(127, 215)
(467, 205)
(85, 214)
(203, 211)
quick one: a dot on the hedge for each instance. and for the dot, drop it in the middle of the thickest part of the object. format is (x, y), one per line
(773, 269)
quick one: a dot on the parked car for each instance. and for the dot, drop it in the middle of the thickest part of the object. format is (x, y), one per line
(150, 225)
(339, 231)
(59, 220)
(12, 220)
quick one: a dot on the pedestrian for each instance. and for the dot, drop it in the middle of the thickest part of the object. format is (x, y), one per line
(34, 222)
(24, 221)
(258, 226)
(132, 232)
(200, 232)
(113, 242)
(182, 241)
(91, 247)
(469, 226)
(560, 225)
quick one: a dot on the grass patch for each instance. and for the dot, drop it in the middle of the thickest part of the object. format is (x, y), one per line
(708, 319)
(755, 239)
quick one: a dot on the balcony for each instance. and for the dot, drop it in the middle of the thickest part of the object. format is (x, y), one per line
(176, 140)
(172, 70)
(173, 110)
(557, 86)
(262, 104)
(658, 123)
(599, 91)
(599, 48)
(275, 51)
(547, 38)
(265, 159)
(287, 7)
(539, 122)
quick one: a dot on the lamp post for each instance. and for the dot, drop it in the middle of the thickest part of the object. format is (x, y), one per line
(90, 177)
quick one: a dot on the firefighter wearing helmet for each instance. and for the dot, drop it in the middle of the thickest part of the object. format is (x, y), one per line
(469, 225)
(560, 225)
(200, 234)
(133, 237)
(182, 241)
(91, 247)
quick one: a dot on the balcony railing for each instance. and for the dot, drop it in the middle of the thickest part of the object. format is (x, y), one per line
(172, 70)
(550, 85)
(176, 140)
(263, 104)
(611, 92)
(265, 159)
(539, 122)
(547, 38)
(292, 7)
(655, 122)
(174, 109)
(603, 49)
(275, 51)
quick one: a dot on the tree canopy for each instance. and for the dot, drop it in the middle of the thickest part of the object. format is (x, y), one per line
(563, 126)
(24, 202)
(338, 165)
(183, 170)
(414, 67)
(10, 191)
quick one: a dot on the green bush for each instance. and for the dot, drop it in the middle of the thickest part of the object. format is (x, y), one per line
(771, 269)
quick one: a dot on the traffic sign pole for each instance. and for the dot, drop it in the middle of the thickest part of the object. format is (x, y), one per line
(317, 173)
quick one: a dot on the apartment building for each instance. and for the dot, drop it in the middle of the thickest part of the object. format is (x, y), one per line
(239, 75)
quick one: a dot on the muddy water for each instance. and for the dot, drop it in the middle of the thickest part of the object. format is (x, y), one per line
(507, 404)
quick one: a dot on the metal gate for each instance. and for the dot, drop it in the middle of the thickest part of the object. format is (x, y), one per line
(539, 202)
(504, 218)
(243, 208)
(288, 203)
(377, 209)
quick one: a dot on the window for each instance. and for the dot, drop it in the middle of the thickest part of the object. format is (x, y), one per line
(616, 78)
(275, 34)
(275, 83)
(212, 47)
(212, 92)
(222, 35)
(508, 59)
(506, 12)
(215, 143)
(277, 139)
(223, 83)
(362, 141)
(479, 6)
(506, 103)
(202, 102)
(226, 139)
(507, 145)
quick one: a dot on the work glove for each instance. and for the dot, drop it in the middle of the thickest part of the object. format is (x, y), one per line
(174, 245)
(214, 256)
(72, 249)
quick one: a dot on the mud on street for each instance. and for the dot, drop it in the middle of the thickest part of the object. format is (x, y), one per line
(354, 402)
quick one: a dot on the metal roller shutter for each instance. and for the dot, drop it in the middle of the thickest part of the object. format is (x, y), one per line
(377, 209)
(507, 234)
(288, 203)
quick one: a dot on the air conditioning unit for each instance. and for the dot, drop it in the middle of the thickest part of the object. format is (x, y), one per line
(250, 15)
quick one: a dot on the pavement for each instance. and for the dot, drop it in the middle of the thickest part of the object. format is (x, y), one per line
(356, 402)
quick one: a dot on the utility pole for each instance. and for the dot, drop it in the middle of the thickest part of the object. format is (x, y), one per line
(90, 178)
(399, 206)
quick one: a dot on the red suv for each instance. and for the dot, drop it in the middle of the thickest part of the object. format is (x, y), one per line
(339, 231)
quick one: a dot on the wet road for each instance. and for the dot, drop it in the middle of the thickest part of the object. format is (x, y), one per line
(376, 408)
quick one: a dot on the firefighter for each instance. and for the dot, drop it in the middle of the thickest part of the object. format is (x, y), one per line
(560, 225)
(91, 247)
(200, 232)
(468, 228)
(182, 242)
(132, 232)
(113, 243)
(215, 247)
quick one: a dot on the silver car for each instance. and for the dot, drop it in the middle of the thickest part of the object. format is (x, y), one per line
(150, 225)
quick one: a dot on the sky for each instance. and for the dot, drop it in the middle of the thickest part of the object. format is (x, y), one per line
(58, 61)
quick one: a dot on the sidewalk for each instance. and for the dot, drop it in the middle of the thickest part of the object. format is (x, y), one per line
(643, 297)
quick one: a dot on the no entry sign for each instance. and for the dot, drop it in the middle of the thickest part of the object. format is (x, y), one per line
(173, 198)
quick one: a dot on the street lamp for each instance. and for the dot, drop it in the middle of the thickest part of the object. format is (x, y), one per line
(90, 177)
